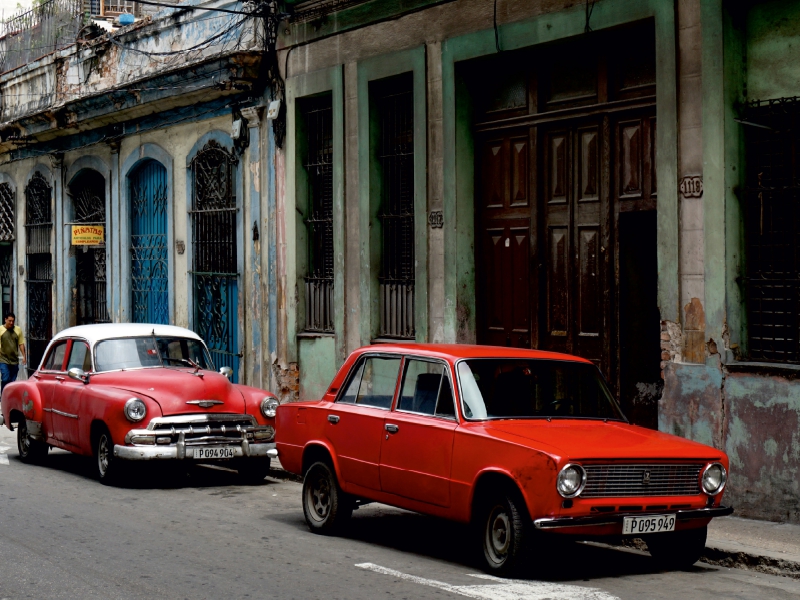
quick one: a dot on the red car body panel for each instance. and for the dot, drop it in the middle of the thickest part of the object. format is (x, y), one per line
(433, 465)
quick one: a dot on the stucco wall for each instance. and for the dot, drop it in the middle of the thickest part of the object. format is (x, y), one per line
(773, 44)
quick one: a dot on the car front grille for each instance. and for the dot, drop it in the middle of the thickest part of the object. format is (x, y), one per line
(205, 429)
(619, 481)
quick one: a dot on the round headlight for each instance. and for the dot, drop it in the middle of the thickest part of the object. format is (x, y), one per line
(135, 410)
(714, 478)
(571, 480)
(269, 407)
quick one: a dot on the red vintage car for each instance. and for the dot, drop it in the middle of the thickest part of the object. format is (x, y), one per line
(138, 392)
(521, 443)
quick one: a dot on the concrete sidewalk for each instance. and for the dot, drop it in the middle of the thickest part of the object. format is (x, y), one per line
(763, 546)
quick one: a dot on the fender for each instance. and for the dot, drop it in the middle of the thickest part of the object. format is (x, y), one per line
(25, 398)
(252, 402)
(334, 457)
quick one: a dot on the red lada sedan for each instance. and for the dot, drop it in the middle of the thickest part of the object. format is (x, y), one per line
(516, 442)
(138, 392)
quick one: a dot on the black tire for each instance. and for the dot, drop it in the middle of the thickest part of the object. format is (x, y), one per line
(504, 533)
(325, 506)
(106, 465)
(30, 451)
(677, 549)
(253, 470)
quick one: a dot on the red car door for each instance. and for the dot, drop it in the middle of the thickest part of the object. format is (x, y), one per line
(48, 379)
(355, 422)
(67, 395)
(417, 447)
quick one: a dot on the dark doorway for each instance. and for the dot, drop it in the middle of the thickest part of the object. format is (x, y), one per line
(88, 193)
(639, 332)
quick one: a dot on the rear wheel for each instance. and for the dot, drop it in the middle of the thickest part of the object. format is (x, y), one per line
(106, 464)
(253, 470)
(504, 533)
(325, 507)
(30, 450)
(678, 549)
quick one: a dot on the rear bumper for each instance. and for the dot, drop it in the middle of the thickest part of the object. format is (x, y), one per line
(616, 518)
(182, 451)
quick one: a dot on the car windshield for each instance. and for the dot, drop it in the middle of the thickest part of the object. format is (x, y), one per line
(151, 351)
(509, 388)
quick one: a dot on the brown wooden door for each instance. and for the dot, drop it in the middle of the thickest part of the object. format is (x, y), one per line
(504, 243)
(576, 234)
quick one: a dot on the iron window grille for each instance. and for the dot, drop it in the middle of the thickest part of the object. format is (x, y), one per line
(39, 282)
(215, 258)
(318, 164)
(772, 228)
(395, 111)
(6, 250)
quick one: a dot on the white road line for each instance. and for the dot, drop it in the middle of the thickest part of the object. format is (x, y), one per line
(3, 459)
(503, 589)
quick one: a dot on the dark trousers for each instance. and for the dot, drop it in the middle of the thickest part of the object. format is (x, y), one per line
(9, 374)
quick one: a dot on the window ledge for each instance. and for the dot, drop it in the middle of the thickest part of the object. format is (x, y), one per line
(314, 334)
(381, 340)
(744, 366)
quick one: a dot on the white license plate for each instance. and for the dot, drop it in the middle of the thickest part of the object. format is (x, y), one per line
(653, 524)
(208, 453)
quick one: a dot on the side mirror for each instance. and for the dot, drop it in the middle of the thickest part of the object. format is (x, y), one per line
(227, 371)
(79, 374)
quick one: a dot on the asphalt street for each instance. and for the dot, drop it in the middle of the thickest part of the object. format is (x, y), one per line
(165, 534)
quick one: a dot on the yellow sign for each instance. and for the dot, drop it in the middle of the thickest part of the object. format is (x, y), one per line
(88, 235)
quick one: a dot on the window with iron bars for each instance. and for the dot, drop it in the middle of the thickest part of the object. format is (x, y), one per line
(318, 165)
(394, 104)
(772, 228)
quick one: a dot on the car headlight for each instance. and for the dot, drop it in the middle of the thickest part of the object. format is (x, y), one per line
(571, 480)
(135, 410)
(269, 407)
(714, 478)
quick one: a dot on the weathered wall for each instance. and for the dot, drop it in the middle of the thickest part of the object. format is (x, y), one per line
(773, 39)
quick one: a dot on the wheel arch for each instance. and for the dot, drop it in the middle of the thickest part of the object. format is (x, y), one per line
(24, 398)
(489, 483)
(319, 452)
(95, 429)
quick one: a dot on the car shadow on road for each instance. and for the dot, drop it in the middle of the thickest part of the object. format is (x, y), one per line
(151, 475)
(559, 561)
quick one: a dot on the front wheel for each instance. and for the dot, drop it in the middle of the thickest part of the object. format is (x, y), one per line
(253, 470)
(30, 450)
(504, 534)
(106, 464)
(325, 506)
(678, 549)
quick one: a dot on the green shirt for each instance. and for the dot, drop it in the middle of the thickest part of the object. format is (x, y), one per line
(10, 341)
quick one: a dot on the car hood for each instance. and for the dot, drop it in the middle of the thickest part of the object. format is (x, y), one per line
(172, 388)
(593, 439)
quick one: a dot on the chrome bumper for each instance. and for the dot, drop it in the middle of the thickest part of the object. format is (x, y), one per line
(616, 519)
(181, 451)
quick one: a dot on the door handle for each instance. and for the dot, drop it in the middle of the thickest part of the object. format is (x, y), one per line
(333, 419)
(391, 427)
(60, 378)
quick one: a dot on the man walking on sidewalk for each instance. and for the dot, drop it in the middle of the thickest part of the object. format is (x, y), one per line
(12, 343)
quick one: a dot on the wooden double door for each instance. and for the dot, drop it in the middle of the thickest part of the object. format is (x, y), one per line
(548, 207)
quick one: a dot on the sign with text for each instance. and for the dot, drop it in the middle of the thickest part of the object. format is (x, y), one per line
(88, 235)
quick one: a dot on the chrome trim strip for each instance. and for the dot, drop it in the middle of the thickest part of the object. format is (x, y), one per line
(204, 403)
(58, 412)
(173, 452)
(615, 519)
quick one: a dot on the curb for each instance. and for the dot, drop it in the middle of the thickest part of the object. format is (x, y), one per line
(730, 556)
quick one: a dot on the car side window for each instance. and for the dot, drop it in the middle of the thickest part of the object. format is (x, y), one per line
(426, 389)
(55, 360)
(351, 391)
(378, 381)
(80, 357)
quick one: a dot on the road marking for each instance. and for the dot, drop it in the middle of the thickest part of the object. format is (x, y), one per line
(3, 459)
(503, 589)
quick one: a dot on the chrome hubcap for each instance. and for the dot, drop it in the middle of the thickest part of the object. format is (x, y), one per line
(318, 498)
(498, 534)
(102, 454)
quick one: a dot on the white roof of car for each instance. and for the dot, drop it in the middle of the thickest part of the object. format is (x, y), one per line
(104, 331)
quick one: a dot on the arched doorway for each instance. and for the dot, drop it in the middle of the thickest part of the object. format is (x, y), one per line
(88, 193)
(215, 263)
(39, 270)
(149, 257)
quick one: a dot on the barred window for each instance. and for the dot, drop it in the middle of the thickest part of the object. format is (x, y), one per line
(395, 112)
(772, 228)
(318, 164)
